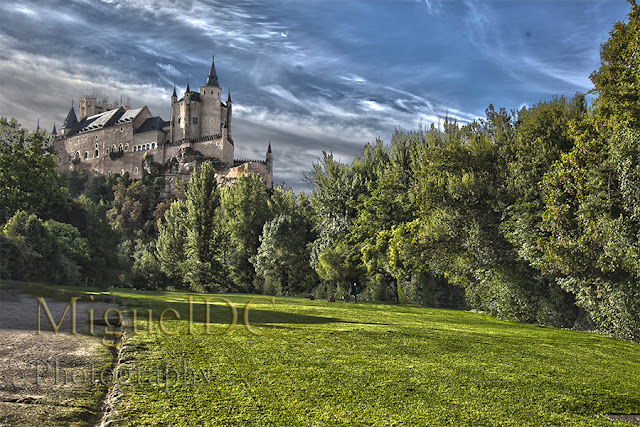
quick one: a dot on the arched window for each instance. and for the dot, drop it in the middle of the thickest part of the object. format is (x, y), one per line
(153, 145)
(77, 155)
(126, 147)
(97, 154)
(136, 170)
(135, 148)
(120, 147)
(113, 148)
(86, 155)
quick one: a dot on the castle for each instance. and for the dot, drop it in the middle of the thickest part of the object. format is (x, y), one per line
(107, 139)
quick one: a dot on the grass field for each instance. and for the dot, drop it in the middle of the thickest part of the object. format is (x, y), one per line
(365, 364)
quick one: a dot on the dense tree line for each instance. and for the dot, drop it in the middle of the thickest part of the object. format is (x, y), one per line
(531, 215)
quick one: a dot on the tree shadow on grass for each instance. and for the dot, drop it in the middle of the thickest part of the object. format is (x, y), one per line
(220, 313)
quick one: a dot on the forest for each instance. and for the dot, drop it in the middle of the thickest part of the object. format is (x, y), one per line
(530, 215)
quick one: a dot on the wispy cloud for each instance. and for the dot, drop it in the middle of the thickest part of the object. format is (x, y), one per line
(310, 76)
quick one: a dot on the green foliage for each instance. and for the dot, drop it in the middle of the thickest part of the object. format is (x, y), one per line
(172, 237)
(204, 266)
(104, 266)
(282, 262)
(244, 209)
(617, 81)
(28, 177)
(37, 250)
(134, 204)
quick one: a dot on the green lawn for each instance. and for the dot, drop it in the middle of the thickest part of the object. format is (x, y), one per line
(367, 364)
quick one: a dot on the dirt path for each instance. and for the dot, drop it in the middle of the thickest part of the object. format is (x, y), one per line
(50, 379)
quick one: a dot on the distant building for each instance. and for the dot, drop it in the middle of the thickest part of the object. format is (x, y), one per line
(107, 139)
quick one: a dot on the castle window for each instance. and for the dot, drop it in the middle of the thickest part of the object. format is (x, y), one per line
(86, 155)
(97, 154)
(147, 147)
(77, 155)
(96, 146)
(113, 148)
(136, 170)
(126, 147)
(121, 128)
(135, 148)
(120, 147)
(178, 120)
(195, 120)
(153, 145)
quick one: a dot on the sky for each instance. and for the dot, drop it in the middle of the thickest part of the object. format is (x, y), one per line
(309, 76)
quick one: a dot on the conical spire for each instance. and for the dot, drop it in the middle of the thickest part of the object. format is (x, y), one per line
(54, 131)
(38, 127)
(187, 91)
(71, 119)
(212, 78)
(269, 149)
(174, 92)
(228, 97)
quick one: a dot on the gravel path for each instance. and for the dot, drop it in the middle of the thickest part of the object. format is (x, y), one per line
(50, 379)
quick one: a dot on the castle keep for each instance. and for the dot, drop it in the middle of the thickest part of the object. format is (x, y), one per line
(107, 139)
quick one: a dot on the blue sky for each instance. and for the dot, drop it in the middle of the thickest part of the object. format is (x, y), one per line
(308, 75)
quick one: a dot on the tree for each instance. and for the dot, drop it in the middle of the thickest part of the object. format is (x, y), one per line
(617, 81)
(172, 238)
(28, 177)
(205, 269)
(50, 250)
(282, 261)
(244, 211)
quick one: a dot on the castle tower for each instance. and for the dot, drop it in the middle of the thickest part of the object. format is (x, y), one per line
(228, 121)
(212, 120)
(269, 177)
(186, 114)
(172, 118)
(70, 121)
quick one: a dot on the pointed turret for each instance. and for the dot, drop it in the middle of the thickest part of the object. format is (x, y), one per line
(187, 90)
(54, 131)
(174, 92)
(38, 127)
(269, 177)
(228, 97)
(71, 119)
(212, 78)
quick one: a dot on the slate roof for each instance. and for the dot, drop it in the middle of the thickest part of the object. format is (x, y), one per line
(71, 119)
(129, 115)
(212, 78)
(118, 116)
(152, 124)
(195, 96)
(99, 121)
